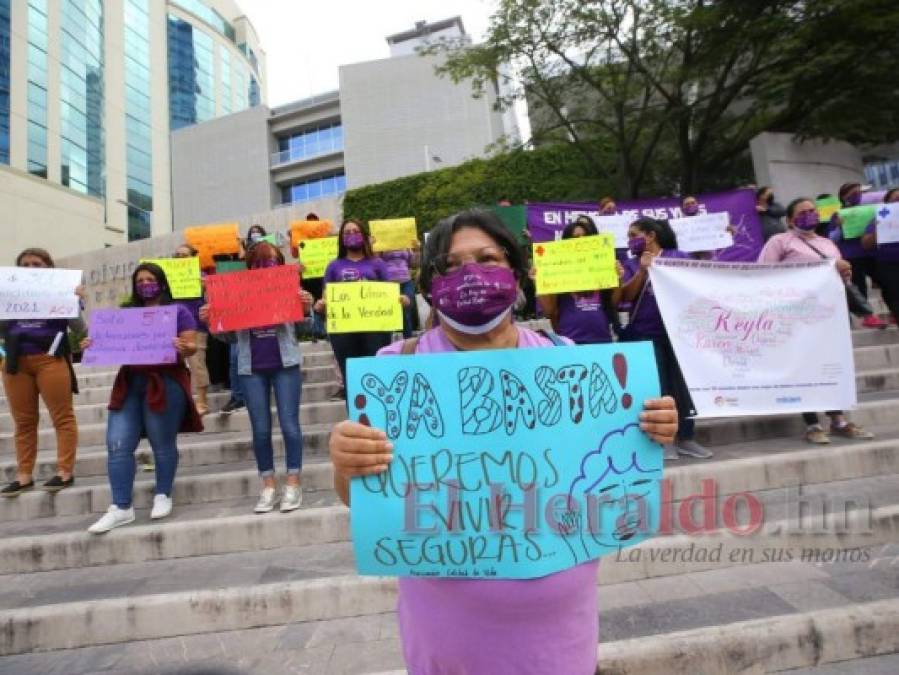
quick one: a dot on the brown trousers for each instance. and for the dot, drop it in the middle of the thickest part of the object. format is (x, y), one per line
(47, 377)
(199, 374)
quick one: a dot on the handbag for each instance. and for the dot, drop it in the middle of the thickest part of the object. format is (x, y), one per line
(858, 303)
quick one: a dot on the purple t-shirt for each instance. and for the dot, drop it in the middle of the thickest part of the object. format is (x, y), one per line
(583, 319)
(367, 269)
(36, 335)
(397, 263)
(884, 252)
(849, 248)
(265, 353)
(501, 626)
(184, 321)
(647, 321)
(193, 306)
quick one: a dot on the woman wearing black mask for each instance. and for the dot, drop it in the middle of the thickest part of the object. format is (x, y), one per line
(770, 212)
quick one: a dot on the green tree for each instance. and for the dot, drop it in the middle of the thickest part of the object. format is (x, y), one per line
(654, 93)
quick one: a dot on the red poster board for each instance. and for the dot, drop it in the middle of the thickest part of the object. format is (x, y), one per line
(254, 298)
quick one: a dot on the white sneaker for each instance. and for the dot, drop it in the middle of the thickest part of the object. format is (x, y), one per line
(113, 517)
(162, 506)
(693, 449)
(670, 452)
(292, 498)
(268, 498)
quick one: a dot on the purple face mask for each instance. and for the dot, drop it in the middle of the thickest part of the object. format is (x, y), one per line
(475, 298)
(353, 240)
(806, 220)
(853, 199)
(265, 263)
(636, 245)
(148, 290)
(691, 209)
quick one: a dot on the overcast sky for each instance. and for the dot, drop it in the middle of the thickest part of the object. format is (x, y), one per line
(305, 42)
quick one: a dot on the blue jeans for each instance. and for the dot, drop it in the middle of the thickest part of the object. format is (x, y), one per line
(123, 432)
(407, 288)
(257, 389)
(236, 388)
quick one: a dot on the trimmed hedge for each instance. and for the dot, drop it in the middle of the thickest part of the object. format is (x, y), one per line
(553, 173)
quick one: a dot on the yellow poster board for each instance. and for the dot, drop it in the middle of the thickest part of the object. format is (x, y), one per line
(183, 275)
(577, 264)
(301, 230)
(393, 235)
(210, 240)
(363, 306)
(315, 254)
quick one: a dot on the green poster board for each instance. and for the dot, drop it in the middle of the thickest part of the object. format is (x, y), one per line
(856, 219)
(827, 207)
(225, 266)
(515, 218)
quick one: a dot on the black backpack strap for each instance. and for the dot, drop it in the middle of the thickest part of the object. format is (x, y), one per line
(552, 337)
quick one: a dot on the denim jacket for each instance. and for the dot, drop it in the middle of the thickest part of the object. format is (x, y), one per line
(287, 342)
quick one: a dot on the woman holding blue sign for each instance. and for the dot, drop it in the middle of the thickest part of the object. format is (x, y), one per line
(471, 273)
(154, 400)
(583, 317)
(268, 358)
(647, 239)
(38, 364)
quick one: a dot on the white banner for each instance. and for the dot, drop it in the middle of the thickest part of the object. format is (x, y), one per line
(38, 293)
(887, 223)
(617, 224)
(758, 339)
(703, 232)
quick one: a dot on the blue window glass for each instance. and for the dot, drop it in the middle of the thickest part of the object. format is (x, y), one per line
(225, 73)
(253, 93)
(209, 15)
(326, 186)
(311, 142)
(4, 80)
(81, 96)
(138, 136)
(191, 74)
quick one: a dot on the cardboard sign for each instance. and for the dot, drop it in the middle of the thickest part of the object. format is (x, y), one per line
(826, 208)
(363, 306)
(617, 225)
(855, 219)
(210, 240)
(38, 293)
(887, 224)
(226, 266)
(254, 298)
(513, 463)
(132, 336)
(742, 335)
(315, 254)
(702, 232)
(576, 264)
(183, 275)
(301, 230)
(515, 218)
(396, 234)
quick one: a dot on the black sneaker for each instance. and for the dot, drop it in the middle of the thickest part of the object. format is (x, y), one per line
(231, 406)
(15, 488)
(56, 484)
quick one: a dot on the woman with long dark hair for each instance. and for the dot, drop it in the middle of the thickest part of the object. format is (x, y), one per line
(38, 365)
(355, 262)
(154, 400)
(648, 239)
(584, 317)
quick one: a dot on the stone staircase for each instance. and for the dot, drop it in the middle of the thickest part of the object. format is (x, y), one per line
(217, 586)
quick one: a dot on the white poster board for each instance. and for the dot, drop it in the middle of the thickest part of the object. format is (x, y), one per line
(749, 338)
(38, 293)
(703, 232)
(887, 223)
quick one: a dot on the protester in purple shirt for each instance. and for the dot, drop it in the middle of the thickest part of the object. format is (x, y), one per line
(475, 626)
(886, 257)
(862, 261)
(269, 358)
(581, 317)
(355, 262)
(647, 239)
(399, 264)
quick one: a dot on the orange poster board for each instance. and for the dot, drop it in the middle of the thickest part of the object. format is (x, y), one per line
(210, 240)
(301, 230)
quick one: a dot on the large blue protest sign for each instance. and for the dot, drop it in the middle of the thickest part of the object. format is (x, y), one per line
(507, 463)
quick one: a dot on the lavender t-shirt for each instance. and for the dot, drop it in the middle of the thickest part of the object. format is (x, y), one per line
(498, 626)
(367, 269)
(265, 353)
(583, 319)
(647, 321)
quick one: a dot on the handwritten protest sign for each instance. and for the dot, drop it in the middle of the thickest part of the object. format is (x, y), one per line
(133, 336)
(393, 235)
(363, 306)
(315, 254)
(226, 266)
(827, 207)
(741, 333)
(703, 232)
(617, 225)
(856, 219)
(887, 224)
(508, 463)
(38, 293)
(210, 240)
(254, 298)
(183, 275)
(576, 264)
(301, 230)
